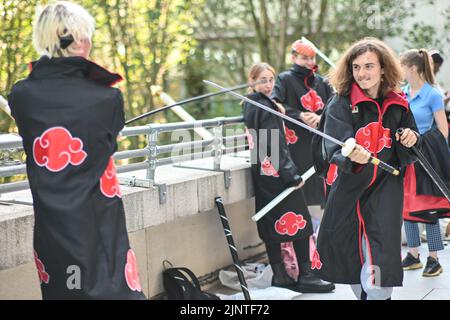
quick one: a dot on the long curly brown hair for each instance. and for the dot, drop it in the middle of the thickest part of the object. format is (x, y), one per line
(342, 79)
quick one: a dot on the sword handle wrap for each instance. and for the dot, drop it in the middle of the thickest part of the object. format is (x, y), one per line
(384, 166)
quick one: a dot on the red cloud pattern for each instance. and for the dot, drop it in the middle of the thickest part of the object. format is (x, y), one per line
(131, 272)
(55, 149)
(268, 169)
(291, 137)
(311, 101)
(332, 174)
(43, 275)
(290, 223)
(251, 143)
(315, 261)
(374, 137)
(109, 184)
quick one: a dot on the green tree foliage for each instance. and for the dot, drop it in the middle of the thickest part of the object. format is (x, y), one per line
(15, 51)
(175, 44)
(423, 35)
(140, 39)
(237, 33)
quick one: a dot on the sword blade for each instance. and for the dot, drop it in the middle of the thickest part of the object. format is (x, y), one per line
(283, 195)
(373, 160)
(193, 99)
(279, 114)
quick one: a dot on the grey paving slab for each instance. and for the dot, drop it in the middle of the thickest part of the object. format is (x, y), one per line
(414, 278)
(404, 293)
(438, 294)
(415, 286)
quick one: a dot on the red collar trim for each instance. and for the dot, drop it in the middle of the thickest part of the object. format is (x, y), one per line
(357, 95)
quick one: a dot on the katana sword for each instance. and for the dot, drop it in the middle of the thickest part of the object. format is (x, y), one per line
(429, 169)
(179, 103)
(283, 195)
(232, 247)
(347, 146)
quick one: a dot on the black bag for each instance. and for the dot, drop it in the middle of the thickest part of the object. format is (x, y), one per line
(179, 287)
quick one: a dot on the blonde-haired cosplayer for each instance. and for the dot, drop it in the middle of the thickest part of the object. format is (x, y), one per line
(63, 29)
(69, 116)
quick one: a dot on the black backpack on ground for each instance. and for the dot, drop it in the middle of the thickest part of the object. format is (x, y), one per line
(179, 287)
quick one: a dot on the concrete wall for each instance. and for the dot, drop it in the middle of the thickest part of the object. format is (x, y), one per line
(186, 230)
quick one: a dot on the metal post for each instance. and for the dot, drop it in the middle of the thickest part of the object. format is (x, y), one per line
(218, 144)
(152, 145)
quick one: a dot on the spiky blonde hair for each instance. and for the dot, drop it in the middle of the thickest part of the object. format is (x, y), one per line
(61, 19)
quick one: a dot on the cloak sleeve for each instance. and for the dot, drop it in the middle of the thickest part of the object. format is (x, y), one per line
(12, 102)
(338, 124)
(119, 116)
(287, 170)
(280, 95)
(118, 119)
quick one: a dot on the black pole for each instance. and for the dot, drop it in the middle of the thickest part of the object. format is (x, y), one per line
(233, 250)
(429, 170)
(204, 96)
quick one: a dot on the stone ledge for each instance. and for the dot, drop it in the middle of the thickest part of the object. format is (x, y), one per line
(189, 192)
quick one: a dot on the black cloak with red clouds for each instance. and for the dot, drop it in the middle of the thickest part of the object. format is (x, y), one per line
(365, 203)
(69, 118)
(273, 171)
(302, 90)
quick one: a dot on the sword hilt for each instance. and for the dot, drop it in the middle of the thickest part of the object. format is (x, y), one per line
(400, 132)
(384, 166)
(350, 145)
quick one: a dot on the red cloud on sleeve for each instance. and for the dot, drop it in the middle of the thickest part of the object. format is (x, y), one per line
(109, 184)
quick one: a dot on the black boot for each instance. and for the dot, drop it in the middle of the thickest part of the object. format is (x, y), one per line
(309, 283)
(281, 278)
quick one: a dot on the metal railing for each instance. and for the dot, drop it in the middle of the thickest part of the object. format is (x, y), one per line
(152, 152)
